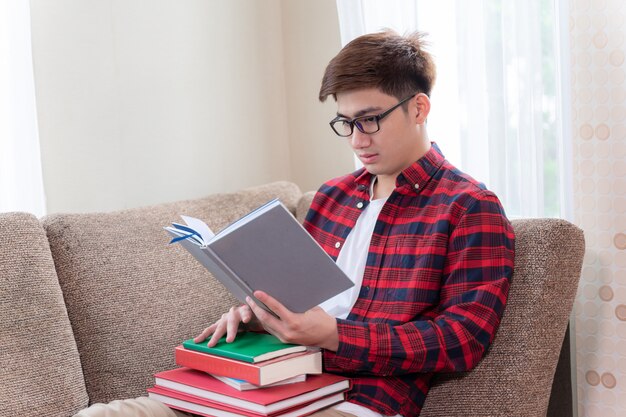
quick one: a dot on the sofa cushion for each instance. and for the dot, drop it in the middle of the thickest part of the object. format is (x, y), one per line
(40, 372)
(130, 296)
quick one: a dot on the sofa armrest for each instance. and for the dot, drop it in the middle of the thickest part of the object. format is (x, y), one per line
(40, 369)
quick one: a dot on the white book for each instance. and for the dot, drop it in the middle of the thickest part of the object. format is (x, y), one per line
(242, 385)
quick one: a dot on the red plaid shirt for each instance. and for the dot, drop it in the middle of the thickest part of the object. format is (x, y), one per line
(435, 283)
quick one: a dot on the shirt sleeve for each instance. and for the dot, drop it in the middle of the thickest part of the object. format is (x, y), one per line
(474, 289)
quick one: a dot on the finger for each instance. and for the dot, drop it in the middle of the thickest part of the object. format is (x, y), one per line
(262, 315)
(280, 310)
(268, 321)
(245, 313)
(219, 331)
(232, 324)
(205, 333)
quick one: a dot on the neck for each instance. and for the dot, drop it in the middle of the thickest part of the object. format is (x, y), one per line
(385, 184)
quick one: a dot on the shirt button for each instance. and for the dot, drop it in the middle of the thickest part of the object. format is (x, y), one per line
(416, 186)
(337, 245)
(359, 204)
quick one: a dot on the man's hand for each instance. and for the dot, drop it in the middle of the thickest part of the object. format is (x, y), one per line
(311, 328)
(228, 325)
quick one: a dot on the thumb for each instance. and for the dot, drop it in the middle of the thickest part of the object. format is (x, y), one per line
(273, 304)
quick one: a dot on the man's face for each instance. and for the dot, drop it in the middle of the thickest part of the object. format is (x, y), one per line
(396, 145)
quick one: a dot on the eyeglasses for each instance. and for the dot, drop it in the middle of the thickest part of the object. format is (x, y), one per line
(366, 124)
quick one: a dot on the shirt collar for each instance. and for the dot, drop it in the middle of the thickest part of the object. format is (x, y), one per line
(416, 175)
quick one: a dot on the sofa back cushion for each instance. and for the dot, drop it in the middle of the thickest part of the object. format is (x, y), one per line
(130, 296)
(40, 372)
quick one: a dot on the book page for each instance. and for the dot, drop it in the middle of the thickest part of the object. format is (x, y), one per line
(199, 226)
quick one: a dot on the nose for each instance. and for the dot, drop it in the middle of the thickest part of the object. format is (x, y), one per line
(359, 139)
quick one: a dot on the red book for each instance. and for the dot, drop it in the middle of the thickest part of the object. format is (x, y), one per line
(260, 373)
(199, 406)
(201, 388)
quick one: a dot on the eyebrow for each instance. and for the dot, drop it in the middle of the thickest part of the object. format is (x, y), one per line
(361, 112)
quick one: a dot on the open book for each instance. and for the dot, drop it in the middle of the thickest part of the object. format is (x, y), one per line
(266, 250)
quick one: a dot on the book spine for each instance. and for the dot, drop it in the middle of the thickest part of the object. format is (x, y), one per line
(218, 365)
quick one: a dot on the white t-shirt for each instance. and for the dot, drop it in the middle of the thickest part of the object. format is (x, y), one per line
(351, 260)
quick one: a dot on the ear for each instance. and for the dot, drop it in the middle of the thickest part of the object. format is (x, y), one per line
(422, 103)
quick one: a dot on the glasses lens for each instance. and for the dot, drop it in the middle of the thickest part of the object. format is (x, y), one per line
(342, 127)
(367, 124)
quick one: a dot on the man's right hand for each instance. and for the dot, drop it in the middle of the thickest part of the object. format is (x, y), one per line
(228, 325)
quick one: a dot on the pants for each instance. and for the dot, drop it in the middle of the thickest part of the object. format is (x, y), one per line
(331, 412)
(137, 407)
(145, 407)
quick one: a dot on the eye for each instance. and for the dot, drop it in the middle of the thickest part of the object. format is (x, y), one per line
(368, 120)
(344, 123)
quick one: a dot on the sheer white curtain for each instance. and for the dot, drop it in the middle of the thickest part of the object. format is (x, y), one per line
(21, 183)
(496, 111)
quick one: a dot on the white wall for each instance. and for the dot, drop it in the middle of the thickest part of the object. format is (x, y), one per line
(142, 102)
(311, 37)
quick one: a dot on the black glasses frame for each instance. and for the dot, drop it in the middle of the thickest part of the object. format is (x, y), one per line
(357, 121)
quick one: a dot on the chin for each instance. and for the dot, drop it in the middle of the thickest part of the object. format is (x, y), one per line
(376, 169)
(372, 170)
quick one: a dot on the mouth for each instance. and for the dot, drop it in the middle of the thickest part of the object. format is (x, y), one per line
(368, 158)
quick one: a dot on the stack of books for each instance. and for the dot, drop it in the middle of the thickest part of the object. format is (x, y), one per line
(255, 375)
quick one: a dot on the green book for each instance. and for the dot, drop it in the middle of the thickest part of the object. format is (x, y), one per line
(248, 347)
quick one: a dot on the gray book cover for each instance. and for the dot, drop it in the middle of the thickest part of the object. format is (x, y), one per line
(269, 250)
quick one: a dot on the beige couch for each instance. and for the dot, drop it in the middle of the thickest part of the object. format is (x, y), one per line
(91, 305)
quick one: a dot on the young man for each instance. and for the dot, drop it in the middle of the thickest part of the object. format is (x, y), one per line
(429, 249)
